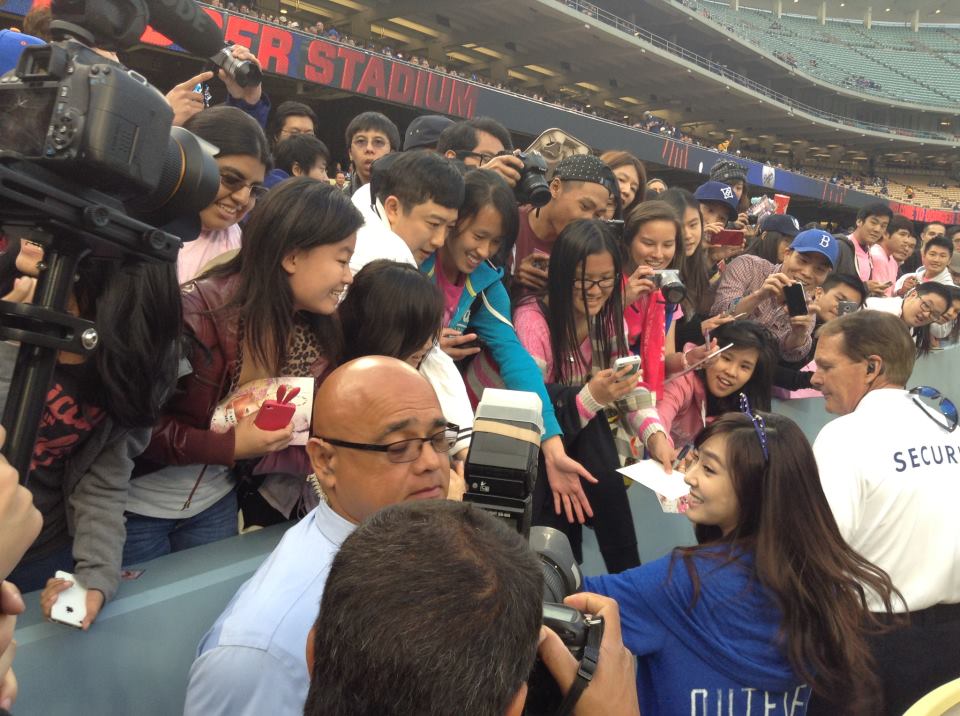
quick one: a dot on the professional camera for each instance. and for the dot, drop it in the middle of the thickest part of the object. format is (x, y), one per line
(670, 284)
(244, 72)
(91, 167)
(533, 187)
(502, 464)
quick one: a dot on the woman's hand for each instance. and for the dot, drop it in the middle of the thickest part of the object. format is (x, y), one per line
(638, 285)
(662, 451)
(711, 324)
(608, 386)
(185, 101)
(50, 593)
(564, 475)
(251, 441)
(699, 353)
(532, 271)
(453, 342)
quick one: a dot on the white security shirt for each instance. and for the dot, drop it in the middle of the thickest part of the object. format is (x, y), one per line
(892, 478)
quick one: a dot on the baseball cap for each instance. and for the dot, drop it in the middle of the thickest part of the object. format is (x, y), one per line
(11, 47)
(781, 223)
(819, 241)
(718, 192)
(424, 131)
(588, 168)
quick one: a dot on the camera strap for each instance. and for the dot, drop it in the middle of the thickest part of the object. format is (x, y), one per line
(588, 666)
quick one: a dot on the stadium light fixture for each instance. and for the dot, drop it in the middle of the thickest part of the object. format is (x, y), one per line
(416, 26)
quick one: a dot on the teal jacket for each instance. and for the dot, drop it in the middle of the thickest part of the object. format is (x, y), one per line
(484, 309)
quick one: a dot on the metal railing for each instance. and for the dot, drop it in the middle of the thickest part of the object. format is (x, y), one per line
(643, 35)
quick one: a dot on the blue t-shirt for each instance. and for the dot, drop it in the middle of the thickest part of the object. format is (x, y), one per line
(719, 657)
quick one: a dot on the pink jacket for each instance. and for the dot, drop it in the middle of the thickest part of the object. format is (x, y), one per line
(683, 408)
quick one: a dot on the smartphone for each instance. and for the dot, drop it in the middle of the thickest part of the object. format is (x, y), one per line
(632, 362)
(845, 307)
(71, 605)
(274, 415)
(727, 237)
(477, 342)
(796, 299)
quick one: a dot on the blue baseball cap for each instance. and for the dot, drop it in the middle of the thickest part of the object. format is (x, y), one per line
(819, 241)
(720, 193)
(781, 223)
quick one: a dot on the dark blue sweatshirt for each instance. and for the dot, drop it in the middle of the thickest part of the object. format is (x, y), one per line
(720, 657)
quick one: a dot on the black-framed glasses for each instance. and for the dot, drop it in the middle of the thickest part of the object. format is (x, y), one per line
(482, 157)
(759, 425)
(233, 183)
(405, 450)
(946, 406)
(585, 284)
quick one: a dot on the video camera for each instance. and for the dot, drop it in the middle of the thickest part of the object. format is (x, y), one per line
(90, 166)
(501, 472)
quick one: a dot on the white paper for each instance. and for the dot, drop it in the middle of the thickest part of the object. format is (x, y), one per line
(649, 473)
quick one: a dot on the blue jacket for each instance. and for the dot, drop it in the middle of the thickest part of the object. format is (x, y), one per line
(275, 177)
(490, 320)
(718, 656)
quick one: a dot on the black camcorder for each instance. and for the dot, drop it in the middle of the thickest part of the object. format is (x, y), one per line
(533, 187)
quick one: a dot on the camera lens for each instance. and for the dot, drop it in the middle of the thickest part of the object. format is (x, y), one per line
(189, 181)
(246, 74)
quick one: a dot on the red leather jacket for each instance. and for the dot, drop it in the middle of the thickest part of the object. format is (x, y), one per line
(182, 436)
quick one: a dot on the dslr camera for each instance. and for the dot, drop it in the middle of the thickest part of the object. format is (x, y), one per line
(670, 284)
(501, 472)
(533, 187)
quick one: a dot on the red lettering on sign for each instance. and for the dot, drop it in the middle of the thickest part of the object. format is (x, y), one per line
(241, 31)
(438, 93)
(319, 68)
(403, 83)
(274, 50)
(351, 58)
(463, 100)
(418, 95)
(373, 81)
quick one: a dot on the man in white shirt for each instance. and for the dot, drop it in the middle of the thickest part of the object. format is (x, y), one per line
(372, 447)
(936, 256)
(889, 468)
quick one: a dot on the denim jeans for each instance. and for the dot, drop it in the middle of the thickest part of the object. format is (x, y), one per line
(151, 537)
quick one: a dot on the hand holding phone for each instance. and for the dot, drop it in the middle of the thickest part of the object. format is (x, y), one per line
(796, 299)
(70, 607)
(631, 362)
(728, 237)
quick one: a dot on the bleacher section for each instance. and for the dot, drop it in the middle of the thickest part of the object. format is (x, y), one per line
(922, 67)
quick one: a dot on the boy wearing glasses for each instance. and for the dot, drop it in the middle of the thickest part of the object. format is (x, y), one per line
(370, 448)
(369, 136)
(889, 469)
(922, 306)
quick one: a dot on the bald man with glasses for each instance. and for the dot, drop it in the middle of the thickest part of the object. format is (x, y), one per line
(379, 439)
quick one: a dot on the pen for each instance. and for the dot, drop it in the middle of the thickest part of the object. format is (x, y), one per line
(682, 454)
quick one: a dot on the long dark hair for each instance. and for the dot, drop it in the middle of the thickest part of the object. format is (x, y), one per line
(391, 309)
(483, 187)
(299, 214)
(767, 246)
(578, 240)
(696, 267)
(759, 389)
(136, 307)
(647, 211)
(619, 158)
(232, 131)
(819, 583)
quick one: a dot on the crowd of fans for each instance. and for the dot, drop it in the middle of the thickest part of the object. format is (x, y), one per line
(315, 358)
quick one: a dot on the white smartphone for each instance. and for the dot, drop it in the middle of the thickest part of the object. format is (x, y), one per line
(633, 362)
(71, 605)
(699, 363)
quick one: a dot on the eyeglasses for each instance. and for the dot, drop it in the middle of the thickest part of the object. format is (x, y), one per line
(482, 157)
(294, 131)
(928, 307)
(234, 183)
(585, 284)
(758, 425)
(947, 409)
(406, 450)
(376, 142)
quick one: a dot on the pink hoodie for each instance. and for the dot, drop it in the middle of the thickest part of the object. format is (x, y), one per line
(683, 408)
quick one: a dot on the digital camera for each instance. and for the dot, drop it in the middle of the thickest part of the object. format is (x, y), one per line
(670, 285)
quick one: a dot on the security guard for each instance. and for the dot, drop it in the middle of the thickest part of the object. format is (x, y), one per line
(890, 468)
